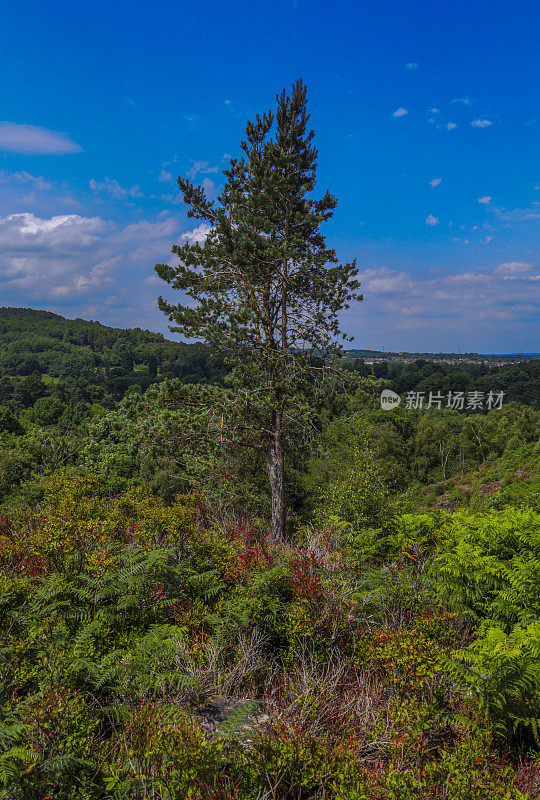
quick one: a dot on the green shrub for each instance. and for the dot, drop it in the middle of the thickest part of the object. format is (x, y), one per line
(489, 571)
(489, 566)
(503, 671)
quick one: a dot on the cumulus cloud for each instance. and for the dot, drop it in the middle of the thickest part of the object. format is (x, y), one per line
(438, 305)
(45, 254)
(113, 188)
(23, 177)
(67, 256)
(466, 101)
(197, 235)
(431, 220)
(400, 112)
(201, 167)
(511, 268)
(94, 268)
(175, 199)
(18, 230)
(481, 123)
(486, 200)
(210, 188)
(519, 214)
(17, 138)
(165, 176)
(451, 126)
(435, 181)
(382, 280)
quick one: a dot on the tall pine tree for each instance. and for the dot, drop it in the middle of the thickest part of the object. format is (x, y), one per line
(266, 288)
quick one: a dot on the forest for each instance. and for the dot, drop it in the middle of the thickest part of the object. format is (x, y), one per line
(226, 572)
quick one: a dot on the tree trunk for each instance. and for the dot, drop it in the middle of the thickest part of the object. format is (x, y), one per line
(276, 476)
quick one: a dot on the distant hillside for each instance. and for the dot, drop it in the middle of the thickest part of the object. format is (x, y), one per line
(520, 381)
(93, 353)
(90, 361)
(466, 358)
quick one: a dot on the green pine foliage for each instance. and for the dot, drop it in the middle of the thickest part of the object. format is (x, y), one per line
(264, 287)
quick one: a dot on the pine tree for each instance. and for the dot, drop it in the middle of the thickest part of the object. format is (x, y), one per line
(267, 289)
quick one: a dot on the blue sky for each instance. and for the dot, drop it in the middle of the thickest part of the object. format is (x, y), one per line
(427, 121)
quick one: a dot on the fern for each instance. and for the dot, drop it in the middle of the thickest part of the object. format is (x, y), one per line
(503, 671)
(14, 762)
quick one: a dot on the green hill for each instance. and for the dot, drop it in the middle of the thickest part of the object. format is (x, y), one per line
(92, 353)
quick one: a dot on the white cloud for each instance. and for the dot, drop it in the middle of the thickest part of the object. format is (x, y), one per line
(17, 138)
(37, 182)
(400, 112)
(201, 167)
(486, 200)
(466, 101)
(519, 214)
(165, 176)
(433, 110)
(481, 123)
(113, 188)
(435, 181)
(197, 235)
(175, 199)
(411, 65)
(68, 256)
(23, 228)
(48, 254)
(210, 188)
(431, 220)
(438, 305)
(383, 280)
(513, 268)
(451, 126)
